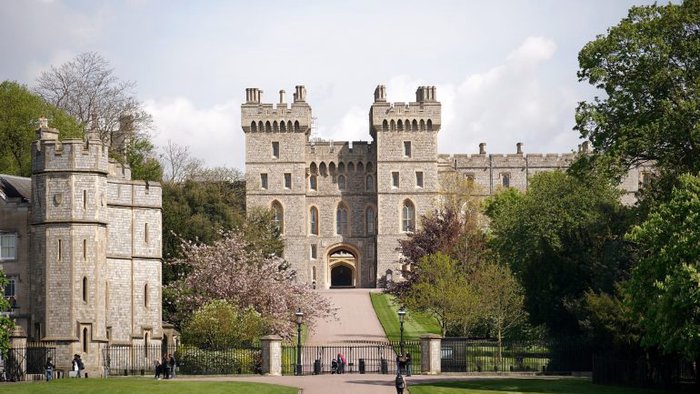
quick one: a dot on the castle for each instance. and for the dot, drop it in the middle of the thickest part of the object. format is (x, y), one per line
(81, 246)
(342, 207)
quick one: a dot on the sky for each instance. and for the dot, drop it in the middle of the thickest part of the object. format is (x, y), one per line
(505, 70)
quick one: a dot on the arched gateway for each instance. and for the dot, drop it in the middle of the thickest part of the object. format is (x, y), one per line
(343, 267)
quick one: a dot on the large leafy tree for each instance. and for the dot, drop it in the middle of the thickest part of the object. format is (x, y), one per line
(230, 269)
(664, 290)
(87, 88)
(20, 111)
(562, 238)
(649, 69)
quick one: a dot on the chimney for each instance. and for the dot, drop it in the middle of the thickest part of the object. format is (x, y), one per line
(380, 94)
(482, 148)
(519, 148)
(282, 96)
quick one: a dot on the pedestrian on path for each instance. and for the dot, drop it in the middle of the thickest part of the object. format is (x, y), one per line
(400, 383)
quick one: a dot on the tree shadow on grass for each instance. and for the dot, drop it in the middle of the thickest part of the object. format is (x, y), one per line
(563, 386)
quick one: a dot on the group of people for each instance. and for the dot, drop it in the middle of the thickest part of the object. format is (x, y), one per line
(403, 366)
(77, 367)
(338, 364)
(165, 367)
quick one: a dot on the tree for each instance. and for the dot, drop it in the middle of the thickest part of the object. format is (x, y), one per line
(501, 299)
(7, 325)
(178, 163)
(87, 89)
(562, 238)
(649, 69)
(664, 288)
(229, 269)
(220, 324)
(20, 111)
(443, 291)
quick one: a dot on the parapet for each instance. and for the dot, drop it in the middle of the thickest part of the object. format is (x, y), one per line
(425, 114)
(257, 116)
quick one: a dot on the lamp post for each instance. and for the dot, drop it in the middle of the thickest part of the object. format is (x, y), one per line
(300, 318)
(402, 314)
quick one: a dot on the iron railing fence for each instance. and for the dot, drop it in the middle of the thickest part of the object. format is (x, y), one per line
(470, 355)
(189, 360)
(28, 360)
(360, 357)
(643, 372)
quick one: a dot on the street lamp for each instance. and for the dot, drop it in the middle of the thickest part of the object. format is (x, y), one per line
(402, 314)
(300, 318)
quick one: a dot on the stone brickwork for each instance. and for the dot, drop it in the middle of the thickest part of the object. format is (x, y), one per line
(381, 182)
(94, 264)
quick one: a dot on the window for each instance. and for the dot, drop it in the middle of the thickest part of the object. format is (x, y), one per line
(313, 221)
(275, 149)
(263, 181)
(60, 250)
(145, 232)
(369, 186)
(278, 215)
(85, 340)
(287, 180)
(369, 220)
(395, 179)
(645, 179)
(313, 182)
(341, 182)
(10, 287)
(408, 217)
(505, 179)
(419, 179)
(85, 249)
(313, 251)
(8, 246)
(370, 252)
(84, 199)
(85, 290)
(145, 295)
(341, 220)
(407, 149)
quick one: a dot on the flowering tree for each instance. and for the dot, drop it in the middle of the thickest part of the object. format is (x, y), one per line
(230, 270)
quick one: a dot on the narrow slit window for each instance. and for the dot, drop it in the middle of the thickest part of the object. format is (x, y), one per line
(276, 149)
(85, 340)
(407, 149)
(60, 250)
(395, 179)
(85, 291)
(419, 179)
(85, 249)
(287, 180)
(145, 232)
(263, 181)
(84, 199)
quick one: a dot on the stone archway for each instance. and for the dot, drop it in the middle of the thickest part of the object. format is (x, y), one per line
(343, 268)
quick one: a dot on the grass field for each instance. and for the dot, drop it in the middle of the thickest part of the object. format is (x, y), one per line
(529, 386)
(141, 385)
(415, 325)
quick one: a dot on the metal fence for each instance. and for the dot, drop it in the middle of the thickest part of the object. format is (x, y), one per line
(361, 357)
(189, 360)
(469, 355)
(23, 361)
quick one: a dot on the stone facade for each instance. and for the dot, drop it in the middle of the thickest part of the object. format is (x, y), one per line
(343, 206)
(88, 259)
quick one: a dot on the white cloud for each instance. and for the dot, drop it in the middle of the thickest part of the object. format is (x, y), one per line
(213, 134)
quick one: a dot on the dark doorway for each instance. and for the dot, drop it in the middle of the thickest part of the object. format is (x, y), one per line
(341, 276)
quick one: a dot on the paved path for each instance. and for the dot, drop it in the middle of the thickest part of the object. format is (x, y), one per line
(356, 319)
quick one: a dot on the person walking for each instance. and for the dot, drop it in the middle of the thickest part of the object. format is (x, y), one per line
(165, 364)
(171, 362)
(408, 364)
(400, 383)
(78, 366)
(49, 369)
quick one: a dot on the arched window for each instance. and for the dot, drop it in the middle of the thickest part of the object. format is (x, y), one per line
(322, 169)
(261, 127)
(414, 125)
(313, 221)
(296, 125)
(399, 125)
(422, 124)
(341, 168)
(430, 125)
(313, 169)
(313, 183)
(275, 126)
(85, 291)
(408, 217)
(351, 167)
(392, 125)
(253, 127)
(341, 182)
(360, 167)
(331, 168)
(407, 123)
(385, 125)
(369, 168)
(369, 183)
(282, 127)
(341, 223)
(369, 220)
(278, 215)
(289, 125)
(268, 126)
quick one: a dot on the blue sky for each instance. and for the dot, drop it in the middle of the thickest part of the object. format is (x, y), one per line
(505, 70)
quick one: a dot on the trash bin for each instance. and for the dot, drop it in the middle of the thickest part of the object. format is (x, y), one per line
(362, 365)
(385, 366)
(317, 366)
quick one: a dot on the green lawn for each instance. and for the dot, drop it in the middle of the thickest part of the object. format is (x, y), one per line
(415, 325)
(528, 386)
(142, 385)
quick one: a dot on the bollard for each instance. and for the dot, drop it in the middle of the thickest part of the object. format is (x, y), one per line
(362, 365)
(317, 367)
(385, 367)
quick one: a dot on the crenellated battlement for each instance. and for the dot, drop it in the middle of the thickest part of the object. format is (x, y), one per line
(425, 114)
(50, 154)
(257, 116)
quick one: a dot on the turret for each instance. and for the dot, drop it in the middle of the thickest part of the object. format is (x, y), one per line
(259, 117)
(422, 115)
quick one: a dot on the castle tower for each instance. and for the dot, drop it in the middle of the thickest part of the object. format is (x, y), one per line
(276, 137)
(69, 224)
(407, 171)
